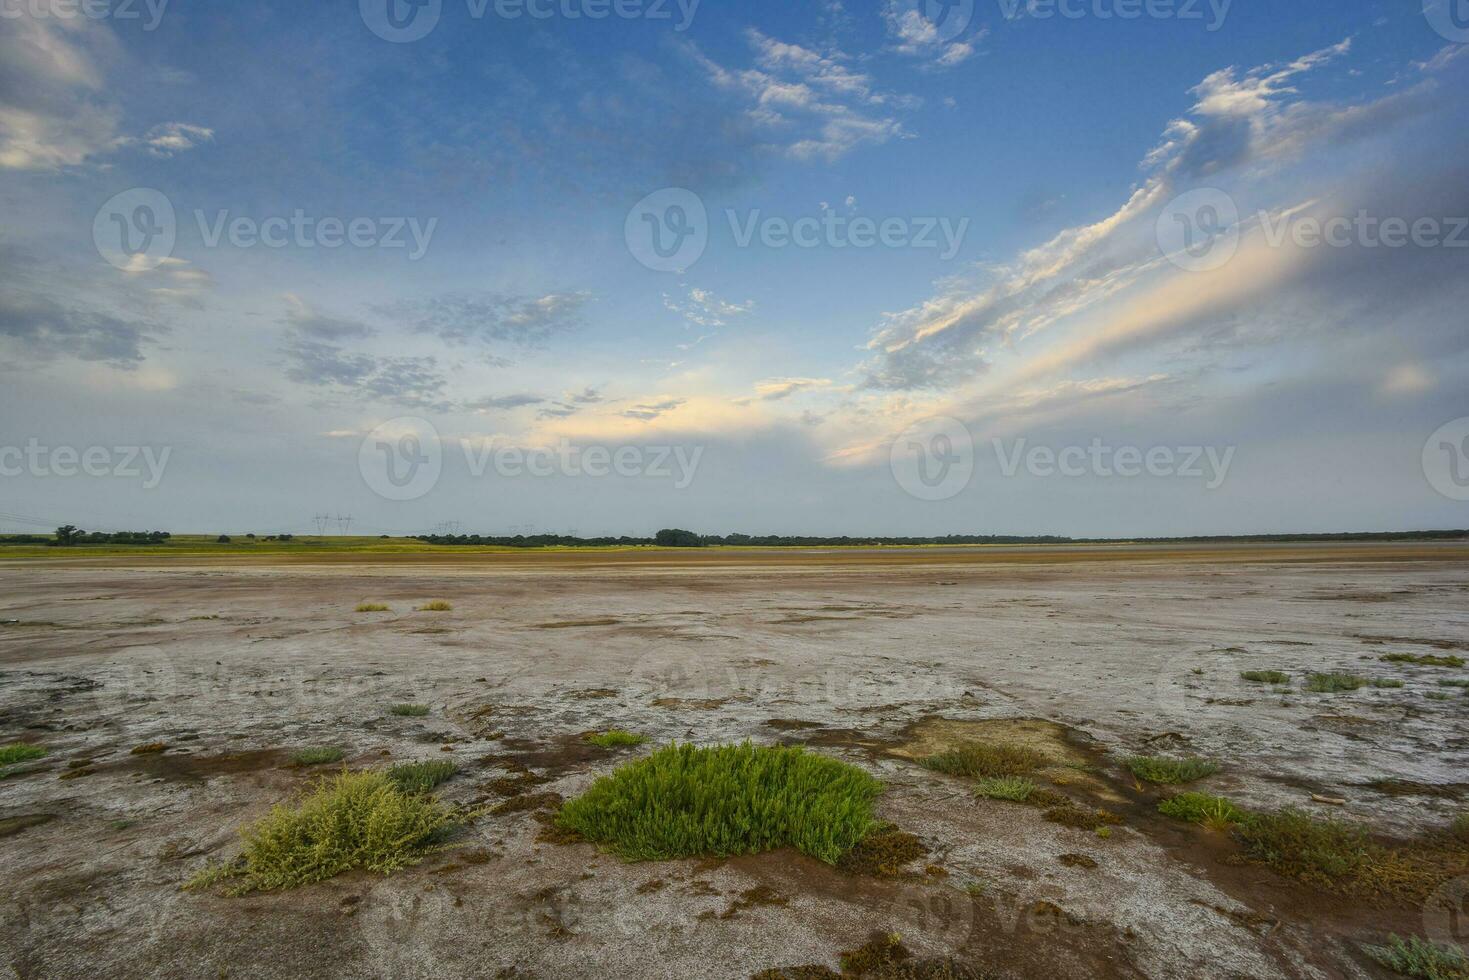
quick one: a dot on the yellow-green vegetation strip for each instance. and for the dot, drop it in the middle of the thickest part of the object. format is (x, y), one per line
(420, 777)
(1332, 854)
(372, 607)
(615, 738)
(1334, 683)
(1414, 957)
(1016, 789)
(352, 821)
(1423, 660)
(20, 752)
(317, 756)
(1158, 769)
(685, 801)
(982, 760)
(409, 710)
(436, 605)
(1266, 676)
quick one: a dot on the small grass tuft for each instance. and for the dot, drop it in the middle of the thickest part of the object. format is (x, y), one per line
(350, 821)
(437, 605)
(1387, 683)
(372, 607)
(1157, 769)
(684, 801)
(985, 761)
(1423, 659)
(317, 756)
(1213, 812)
(1414, 957)
(420, 777)
(20, 752)
(409, 710)
(148, 748)
(614, 738)
(1266, 676)
(1457, 682)
(1016, 789)
(1334, 683)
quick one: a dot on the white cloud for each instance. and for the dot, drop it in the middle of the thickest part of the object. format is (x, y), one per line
(57, 96)
(704, 309)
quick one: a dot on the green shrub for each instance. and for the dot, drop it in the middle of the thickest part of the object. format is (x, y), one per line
(1334, 683)
(20, 752)
(1266, 676)
(409, 710)
(372, 607)
(615, 738)
(1016, 789)
(1414, 957)
(683, 801)
(436, 605)
(420, 777)
(1156, 769)
(981, 760)
(350, 821)
(1459, 682)
(1214, 812)
(317, 756)
(1423, 660)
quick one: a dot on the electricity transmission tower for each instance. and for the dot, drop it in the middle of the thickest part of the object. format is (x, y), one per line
(320, 520)
(344, 524)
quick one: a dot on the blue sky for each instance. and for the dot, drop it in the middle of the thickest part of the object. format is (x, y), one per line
(1031, 163)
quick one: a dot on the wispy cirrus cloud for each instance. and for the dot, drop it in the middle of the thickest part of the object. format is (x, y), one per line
(807, 104)
(489, 318)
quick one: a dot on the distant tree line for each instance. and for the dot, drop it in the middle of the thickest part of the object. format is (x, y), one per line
(679, 538)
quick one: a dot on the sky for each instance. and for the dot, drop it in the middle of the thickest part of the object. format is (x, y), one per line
(1080, 267)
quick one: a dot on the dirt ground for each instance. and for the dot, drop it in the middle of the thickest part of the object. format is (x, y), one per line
(874, 657)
